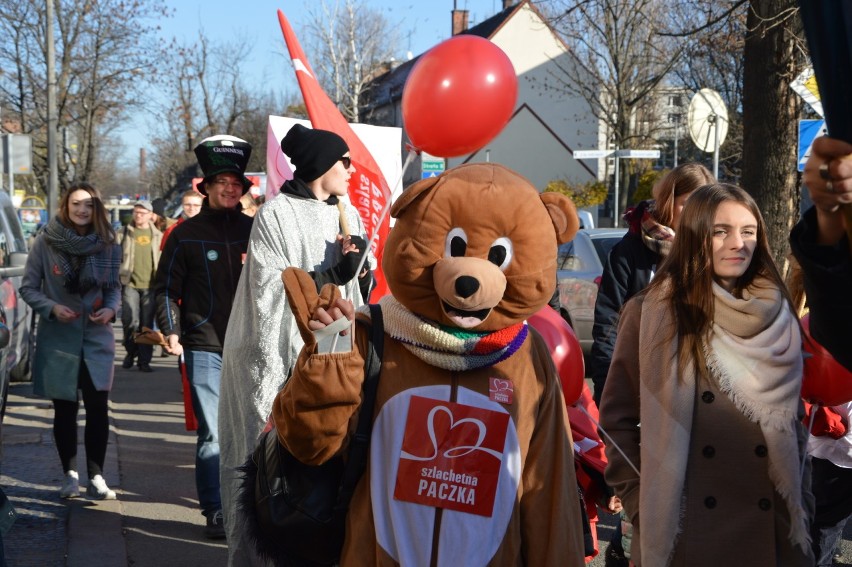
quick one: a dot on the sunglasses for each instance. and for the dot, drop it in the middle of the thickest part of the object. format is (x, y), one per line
(346, 161)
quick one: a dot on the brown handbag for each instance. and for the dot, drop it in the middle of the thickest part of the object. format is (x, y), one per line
(150, 337)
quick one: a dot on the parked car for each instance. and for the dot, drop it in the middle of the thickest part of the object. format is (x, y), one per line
(16, 357)
(579, 265)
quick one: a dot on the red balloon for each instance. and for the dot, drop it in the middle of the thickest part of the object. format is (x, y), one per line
(826, 380)
(458, 96)
(564, 349)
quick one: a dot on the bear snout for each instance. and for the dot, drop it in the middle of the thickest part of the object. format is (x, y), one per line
(466, 286)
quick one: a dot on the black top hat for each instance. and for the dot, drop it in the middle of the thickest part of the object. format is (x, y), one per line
(223, 154)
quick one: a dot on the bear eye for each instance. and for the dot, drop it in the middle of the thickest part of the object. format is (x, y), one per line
(456, 243)
(500, 253)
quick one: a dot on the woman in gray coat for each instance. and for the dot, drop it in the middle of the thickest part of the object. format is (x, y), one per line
(71, 281)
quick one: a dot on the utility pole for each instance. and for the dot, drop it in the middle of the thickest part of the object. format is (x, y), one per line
(52, 120)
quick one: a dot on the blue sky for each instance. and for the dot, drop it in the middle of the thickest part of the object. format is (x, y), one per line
(422, 24)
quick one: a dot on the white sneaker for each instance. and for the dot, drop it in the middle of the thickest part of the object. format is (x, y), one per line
(71, 486)
(98, 489)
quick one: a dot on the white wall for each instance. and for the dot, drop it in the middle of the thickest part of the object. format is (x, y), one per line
(534, 152)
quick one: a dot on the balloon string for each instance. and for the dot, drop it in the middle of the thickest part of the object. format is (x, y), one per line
(610, 439)
(386, 209)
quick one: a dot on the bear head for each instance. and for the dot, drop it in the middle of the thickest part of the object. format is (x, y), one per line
(475, 247)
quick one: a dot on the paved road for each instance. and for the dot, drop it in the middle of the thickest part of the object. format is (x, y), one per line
(150, 463)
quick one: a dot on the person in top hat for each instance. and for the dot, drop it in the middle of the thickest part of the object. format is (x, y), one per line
(307, 226)
(194, 288)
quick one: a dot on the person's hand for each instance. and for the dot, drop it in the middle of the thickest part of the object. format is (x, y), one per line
(174, 347)
(353, 247)
(828, 177)
(613, 505)
(828, 173)
(64, 314)
(322, 317)
(311, 310)
(103, 316)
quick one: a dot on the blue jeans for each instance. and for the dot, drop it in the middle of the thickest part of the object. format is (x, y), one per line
(204, 370)
(137, 311)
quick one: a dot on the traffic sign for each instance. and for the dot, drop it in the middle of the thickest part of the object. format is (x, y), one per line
(809, 130)
(591, 154)
(431, 166)
(642, 154)
(805, 86)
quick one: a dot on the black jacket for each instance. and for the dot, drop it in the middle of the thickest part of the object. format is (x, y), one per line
(628, 271)
(828, 287)
(198, 274)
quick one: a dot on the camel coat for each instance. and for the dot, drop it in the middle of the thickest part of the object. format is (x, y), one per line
(731, 512)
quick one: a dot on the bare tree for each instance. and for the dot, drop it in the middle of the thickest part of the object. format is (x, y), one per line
(773, 57)
(206, 95)
(104, 48)
(351, 43)
(774, 53)
(714, 59)
(617, 58)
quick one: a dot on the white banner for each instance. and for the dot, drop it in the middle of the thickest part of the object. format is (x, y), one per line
(383, 142)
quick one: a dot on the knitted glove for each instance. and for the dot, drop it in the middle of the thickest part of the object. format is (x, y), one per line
(344, 271)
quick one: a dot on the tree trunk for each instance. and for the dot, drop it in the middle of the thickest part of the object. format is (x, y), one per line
(770, 119)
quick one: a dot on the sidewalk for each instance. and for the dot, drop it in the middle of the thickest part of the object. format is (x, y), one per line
(150, 463)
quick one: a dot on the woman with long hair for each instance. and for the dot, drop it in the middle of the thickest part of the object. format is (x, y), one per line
(71, 281)
(709, 361)
(632, 261)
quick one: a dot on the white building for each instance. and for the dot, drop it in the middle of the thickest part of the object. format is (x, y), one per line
(547, 124)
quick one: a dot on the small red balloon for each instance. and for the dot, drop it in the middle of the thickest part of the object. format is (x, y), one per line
(564, 349)
(459, 96)
(826, 380)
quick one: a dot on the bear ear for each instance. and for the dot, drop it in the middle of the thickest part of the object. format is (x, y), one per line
(563, 214)
(411, 193)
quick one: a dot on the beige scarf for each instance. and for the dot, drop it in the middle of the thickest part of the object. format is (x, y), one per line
(755, 350)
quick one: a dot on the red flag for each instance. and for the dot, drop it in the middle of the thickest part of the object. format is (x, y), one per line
(368, 190)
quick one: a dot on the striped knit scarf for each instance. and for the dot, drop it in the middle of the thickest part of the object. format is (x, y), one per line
(641, 220)
(449, 348)
(86, 261)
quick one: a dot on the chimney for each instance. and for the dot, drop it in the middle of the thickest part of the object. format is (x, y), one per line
(508, 3)
(459, 21)
(143, 166)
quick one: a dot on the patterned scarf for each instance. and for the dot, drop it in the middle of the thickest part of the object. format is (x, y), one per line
(657, 237)
(449, 348)
(755, 351)
(86, 261)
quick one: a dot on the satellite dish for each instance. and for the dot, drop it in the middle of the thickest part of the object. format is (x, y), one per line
(707, 122)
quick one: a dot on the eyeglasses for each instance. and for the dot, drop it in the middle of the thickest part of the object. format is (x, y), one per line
(192, 205)
(346, 161)
(227, 183)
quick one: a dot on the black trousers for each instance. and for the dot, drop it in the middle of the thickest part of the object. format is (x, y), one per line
(97, 426)
(832, 488)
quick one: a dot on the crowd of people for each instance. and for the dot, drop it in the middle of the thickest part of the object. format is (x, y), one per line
(697, 361)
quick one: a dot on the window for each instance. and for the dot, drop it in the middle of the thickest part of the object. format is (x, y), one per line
(675, 100)
(675, 118)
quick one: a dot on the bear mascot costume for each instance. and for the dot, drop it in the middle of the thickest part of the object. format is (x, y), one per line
(471, 459)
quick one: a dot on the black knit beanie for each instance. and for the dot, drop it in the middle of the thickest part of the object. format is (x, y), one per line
(312, 151)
